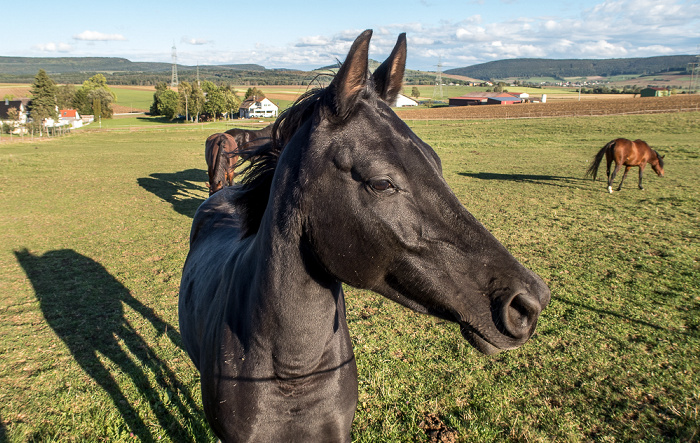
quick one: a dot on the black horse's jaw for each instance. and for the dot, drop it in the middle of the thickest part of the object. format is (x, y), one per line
(477, 341)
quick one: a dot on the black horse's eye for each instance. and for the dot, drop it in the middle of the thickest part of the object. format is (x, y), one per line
(381, 185)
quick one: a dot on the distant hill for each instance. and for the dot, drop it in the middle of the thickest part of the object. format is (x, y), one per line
(63, 65)
(120, 71)
(538, 67)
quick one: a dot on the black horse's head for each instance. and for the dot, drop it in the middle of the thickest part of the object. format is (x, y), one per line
(368, 200)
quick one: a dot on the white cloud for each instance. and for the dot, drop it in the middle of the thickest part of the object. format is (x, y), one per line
(53, 47)
(313, 40)
(94, 36)
(195, 41)
(602, 49)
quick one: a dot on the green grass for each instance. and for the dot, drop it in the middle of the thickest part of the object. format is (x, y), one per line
(94, 231)
(137, 99)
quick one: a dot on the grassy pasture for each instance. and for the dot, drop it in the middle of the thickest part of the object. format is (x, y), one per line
(93, 235)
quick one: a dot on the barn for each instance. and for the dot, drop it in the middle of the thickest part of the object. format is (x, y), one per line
(502, 100)
(654, 92)
(482, 98)
(403, 101)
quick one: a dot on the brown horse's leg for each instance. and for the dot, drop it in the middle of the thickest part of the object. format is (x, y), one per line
(627, 168)
(641, 171)
(611, 178)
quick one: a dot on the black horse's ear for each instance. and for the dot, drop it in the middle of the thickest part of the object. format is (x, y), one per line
(352, 75)
(388, 78)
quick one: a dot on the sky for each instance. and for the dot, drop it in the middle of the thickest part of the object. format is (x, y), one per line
(313, 33)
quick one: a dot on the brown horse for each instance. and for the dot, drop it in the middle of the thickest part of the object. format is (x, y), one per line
(221, 154)
(628, 153)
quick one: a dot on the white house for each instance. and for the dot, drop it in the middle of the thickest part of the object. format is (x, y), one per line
(253, 108)
(19, 119)
(402, 100)
(70, 117)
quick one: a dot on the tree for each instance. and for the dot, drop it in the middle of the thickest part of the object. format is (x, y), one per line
(231, 100)
(43, 104)
(13, 117)
(95, 93)
(64, 96)
(415, 92)
(161, 87)
(101, 100)
(215, 104)
(254, 92)
(169, 104)
(208, 86)
(191, 99)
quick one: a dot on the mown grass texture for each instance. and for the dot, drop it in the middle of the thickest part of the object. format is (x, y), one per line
(94, 232)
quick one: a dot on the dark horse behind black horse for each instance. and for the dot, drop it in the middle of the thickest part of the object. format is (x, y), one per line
(344, 193)
(626, 153)
(247, 137)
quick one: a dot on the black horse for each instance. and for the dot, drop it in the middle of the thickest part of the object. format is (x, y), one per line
(345, 192)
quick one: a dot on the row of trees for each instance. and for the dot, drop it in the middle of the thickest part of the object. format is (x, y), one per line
(194, 100)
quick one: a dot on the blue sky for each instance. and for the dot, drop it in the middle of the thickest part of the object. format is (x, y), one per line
(314, 33)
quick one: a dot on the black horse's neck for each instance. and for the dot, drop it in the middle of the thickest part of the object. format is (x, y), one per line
(300, 310)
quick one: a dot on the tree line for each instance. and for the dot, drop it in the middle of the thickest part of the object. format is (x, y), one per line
(197, 100)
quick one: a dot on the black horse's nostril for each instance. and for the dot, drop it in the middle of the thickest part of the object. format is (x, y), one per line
(520, 315)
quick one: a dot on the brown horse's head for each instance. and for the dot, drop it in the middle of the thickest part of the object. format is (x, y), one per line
(657, 164)
(220, 153)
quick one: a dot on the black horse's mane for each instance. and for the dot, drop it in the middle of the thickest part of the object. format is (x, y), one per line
(253, 191)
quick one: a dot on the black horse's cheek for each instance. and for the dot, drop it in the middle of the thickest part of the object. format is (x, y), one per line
(261, 308)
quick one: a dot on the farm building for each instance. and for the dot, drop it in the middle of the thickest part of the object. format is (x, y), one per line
(654, 92)
(253, 108)
(482, 98)
(70, 117)
(403, 101)
(502, 100)
(523, 96)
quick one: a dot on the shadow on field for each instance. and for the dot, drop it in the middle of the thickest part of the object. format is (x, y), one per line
(551, 180)
(185, 190)
(3, 432)
(648, 324)
(84, 305)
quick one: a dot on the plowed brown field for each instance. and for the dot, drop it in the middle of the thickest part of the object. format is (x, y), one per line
(646, 105)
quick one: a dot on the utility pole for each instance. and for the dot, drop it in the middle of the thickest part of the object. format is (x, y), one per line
(438, 79)
(174, 82)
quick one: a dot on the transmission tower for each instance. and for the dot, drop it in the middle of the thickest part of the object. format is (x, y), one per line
(694, 74)
(174, 82)
(438, 80)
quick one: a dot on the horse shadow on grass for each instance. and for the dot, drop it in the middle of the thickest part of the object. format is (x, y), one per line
(3, 433)
(551, 180)
(185, 190)
(85, 307)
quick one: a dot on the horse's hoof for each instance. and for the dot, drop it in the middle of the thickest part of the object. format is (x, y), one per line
(610, 189)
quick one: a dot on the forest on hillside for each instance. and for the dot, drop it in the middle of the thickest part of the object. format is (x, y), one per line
(537, 67)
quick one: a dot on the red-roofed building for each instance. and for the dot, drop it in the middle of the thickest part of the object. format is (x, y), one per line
(69, 117)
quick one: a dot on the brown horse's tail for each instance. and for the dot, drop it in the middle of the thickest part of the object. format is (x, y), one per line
(593, 169)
